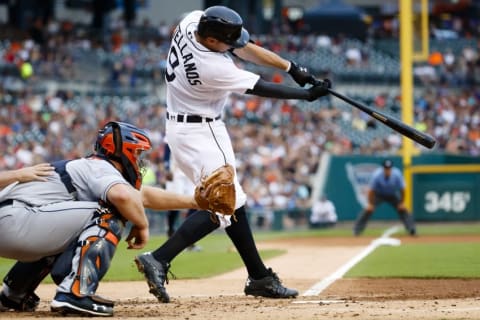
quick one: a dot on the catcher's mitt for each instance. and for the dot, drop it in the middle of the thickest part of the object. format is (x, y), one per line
(216, 192)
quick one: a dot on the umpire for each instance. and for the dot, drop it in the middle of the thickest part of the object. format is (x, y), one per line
(386, 185)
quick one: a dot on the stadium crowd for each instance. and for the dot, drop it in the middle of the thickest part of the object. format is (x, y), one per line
(279, 143)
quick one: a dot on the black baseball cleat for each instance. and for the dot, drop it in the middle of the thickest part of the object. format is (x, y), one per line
(269, 287)
(67, 303)
(155, 273)
(28, 304)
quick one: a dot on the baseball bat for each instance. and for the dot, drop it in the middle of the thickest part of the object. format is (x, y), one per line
(401, 127)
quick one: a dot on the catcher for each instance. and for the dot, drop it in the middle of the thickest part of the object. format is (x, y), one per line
(57, 226)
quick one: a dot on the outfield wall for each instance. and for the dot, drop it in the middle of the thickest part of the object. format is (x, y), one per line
(444, 188)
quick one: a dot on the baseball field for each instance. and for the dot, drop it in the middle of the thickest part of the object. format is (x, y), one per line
(384, 274)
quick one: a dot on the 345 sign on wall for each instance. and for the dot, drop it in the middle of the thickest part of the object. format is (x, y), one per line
(446, 195)
(448, 201)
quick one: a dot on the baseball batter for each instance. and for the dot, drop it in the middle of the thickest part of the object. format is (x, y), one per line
(200, 76)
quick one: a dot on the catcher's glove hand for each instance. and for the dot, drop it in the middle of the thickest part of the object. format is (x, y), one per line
(216, 192)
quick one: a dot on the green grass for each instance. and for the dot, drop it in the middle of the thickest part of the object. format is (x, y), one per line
(425, 260)
(446, 229)
(416, 260)
(434, 260)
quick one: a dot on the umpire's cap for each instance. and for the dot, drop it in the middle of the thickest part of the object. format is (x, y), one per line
(225, 25)
(387, 163)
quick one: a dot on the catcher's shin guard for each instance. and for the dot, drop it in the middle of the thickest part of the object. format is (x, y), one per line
(94, 251)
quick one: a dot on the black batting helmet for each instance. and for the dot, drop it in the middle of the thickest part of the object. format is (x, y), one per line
(225, 25)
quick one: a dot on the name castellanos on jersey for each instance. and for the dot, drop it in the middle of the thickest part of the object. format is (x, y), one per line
(180, 50)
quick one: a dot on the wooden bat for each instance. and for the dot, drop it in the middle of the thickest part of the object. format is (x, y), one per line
(403, 128)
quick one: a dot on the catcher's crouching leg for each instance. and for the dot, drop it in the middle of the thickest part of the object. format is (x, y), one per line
(89, 262)
(20, 283)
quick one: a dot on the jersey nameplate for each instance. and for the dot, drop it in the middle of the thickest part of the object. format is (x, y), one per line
(180, 50)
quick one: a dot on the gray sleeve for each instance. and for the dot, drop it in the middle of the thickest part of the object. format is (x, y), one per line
(93, 178)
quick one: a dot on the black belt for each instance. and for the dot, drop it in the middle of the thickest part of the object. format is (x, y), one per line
(191, 118)
(5, 203)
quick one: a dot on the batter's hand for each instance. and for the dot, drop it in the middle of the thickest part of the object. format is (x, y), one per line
(319, 89)
(37, 172)
(401, 207)
(137, 238)
(300, 74)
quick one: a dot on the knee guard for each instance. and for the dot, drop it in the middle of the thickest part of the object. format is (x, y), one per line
(91, 255)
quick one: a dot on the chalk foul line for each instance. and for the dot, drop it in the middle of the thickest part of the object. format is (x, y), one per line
(384, 239)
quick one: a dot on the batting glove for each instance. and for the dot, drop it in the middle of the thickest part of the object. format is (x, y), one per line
(300, 74)
(319, 89)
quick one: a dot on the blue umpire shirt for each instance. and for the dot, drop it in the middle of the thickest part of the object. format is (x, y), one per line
(387, 187)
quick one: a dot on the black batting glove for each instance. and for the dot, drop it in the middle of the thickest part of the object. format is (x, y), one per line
(319, 89)
(300, 74)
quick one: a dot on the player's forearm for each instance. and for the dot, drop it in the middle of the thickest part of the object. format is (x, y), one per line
(8, 177)
(159, 199)
(37, 172)
(261, 56)
(128, 202)
(277, 90)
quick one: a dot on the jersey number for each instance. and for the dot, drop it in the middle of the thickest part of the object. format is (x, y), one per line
(173, 62)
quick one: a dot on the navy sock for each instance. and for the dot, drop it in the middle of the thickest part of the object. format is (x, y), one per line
(241, 236)
(194, 228)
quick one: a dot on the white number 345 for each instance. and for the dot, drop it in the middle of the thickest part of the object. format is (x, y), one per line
(448, 201)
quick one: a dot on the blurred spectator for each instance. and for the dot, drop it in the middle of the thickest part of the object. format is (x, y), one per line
(324, 214)
(435, 58)
(353, 56)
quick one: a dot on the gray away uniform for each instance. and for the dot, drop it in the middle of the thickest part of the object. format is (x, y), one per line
(46, 216)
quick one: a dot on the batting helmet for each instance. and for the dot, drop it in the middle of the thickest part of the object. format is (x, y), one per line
(223, 24)
(124, 143)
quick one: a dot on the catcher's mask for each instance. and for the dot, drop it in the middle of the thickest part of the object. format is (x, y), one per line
(124, 143)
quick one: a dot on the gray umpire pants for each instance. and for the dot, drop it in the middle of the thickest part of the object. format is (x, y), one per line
(405, 217)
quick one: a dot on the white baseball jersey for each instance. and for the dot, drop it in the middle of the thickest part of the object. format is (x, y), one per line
(45, 217)
(199, 82)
